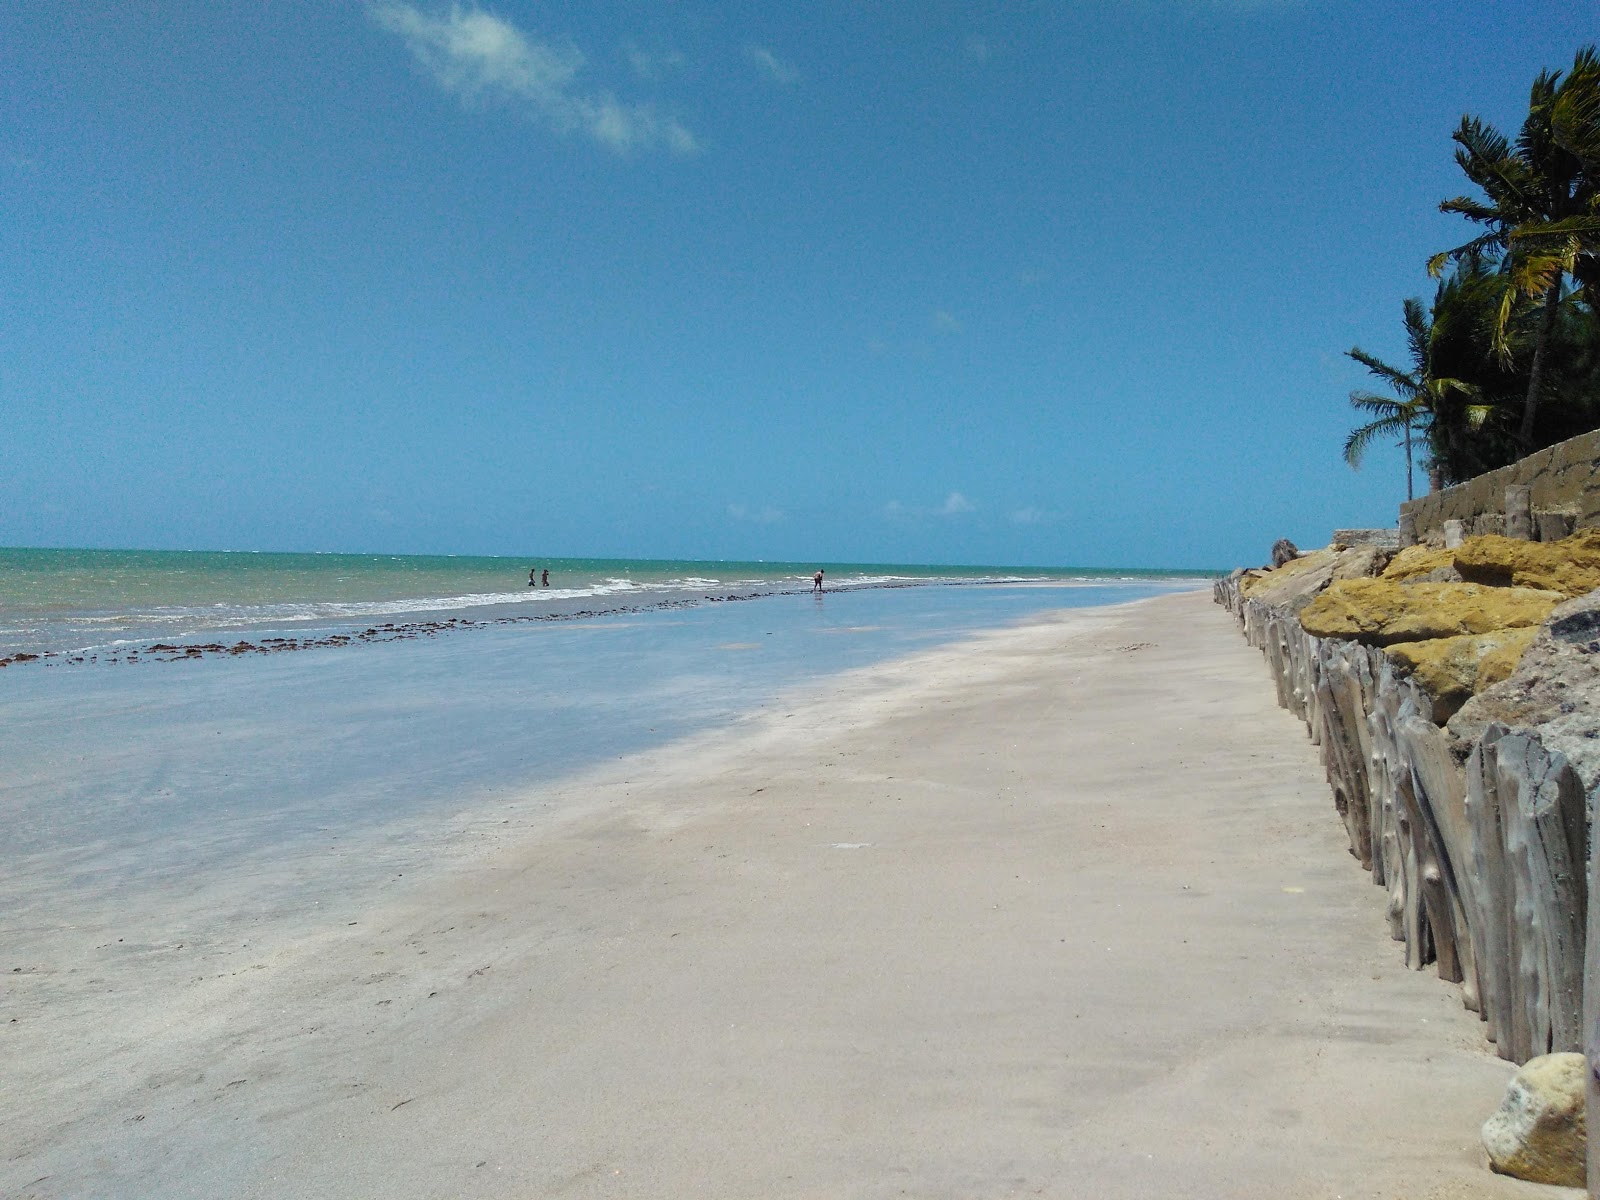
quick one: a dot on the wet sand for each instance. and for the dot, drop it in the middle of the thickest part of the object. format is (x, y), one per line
(1060, 910)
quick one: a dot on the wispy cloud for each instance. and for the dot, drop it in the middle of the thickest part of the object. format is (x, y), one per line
(945, 322)
(954, 505)
(976, 48)
(776, 69)
(652, 64)
(482, 58)
(760, 516)
(1035, 516)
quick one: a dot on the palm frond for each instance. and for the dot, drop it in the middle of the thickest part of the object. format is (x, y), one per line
(1580, 226)
(1355, 446)
(1534, 274)
(1575, 116)
(1393, 375)
(1373, 402)
(1473, 210)
(1486, 158)
(1478, 247)
(1417, 332)
(1499, 339)
(1438, 387)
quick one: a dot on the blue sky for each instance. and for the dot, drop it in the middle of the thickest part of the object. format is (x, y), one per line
(1020, 283)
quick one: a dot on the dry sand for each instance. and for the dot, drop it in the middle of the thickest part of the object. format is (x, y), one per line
(1063, 910)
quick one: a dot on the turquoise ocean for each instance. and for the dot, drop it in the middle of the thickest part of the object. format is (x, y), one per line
(94, 603)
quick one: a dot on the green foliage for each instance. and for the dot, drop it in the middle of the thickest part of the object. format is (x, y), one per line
(1438, 407)
(1507, 358)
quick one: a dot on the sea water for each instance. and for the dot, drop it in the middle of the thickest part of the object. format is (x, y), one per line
(65, 603)
(194, 795)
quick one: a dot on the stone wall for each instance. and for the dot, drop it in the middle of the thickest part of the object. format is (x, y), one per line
(1564, 480)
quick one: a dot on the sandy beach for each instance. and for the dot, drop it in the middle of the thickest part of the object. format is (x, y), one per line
(1062, 909)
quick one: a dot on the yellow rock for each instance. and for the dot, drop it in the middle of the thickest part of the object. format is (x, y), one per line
(1452, 670)
(1381, 612)
(1293, 584)
(1539, 1132)
(1418, 560)
(1570, 566)
(1251, 584)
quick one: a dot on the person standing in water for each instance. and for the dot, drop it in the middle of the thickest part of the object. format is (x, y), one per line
(546, 577)
(816, 581)
(533, 576)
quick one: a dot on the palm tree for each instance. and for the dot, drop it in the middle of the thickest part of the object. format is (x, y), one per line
(1419, 397)
(1570, 245)
(1541, 212)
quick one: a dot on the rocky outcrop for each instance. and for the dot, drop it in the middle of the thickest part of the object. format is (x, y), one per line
(1476, 831)
(1452, 670)
(1554, 689)
(1423, 563)
(1570, 566)
(1538, 1132)
(1380, 612)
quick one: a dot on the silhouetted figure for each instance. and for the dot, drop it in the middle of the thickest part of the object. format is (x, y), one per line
(816, 581)
(547, 578)
(533, 576)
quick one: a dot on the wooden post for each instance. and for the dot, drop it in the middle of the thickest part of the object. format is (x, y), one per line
(1519, 512)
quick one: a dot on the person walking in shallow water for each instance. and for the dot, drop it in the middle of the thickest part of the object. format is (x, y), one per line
(546, 577)
(533, 576)
(816, 581)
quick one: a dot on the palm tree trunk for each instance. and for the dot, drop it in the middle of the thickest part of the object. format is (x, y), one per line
(1547, 322)
(1409, 496)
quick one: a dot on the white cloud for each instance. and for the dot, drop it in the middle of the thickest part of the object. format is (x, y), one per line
(1034, 516)
(778, 70)
(483, 59)
(760, 516)
(954, 505)
(945, 322)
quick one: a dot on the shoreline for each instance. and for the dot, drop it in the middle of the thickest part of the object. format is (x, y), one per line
(1059, 908)
(341, 631)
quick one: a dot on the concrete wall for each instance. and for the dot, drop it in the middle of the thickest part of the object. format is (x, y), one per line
(1564, 478)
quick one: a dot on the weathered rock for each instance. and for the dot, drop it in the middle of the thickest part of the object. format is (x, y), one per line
(1380, 612)
(1295, 583)
(1417, 561)
(1539, 1132)
(1364, 561)
(1284, 551)
(1384, 539)
(1451, 670)
(1570, 566)
(1555, 689)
